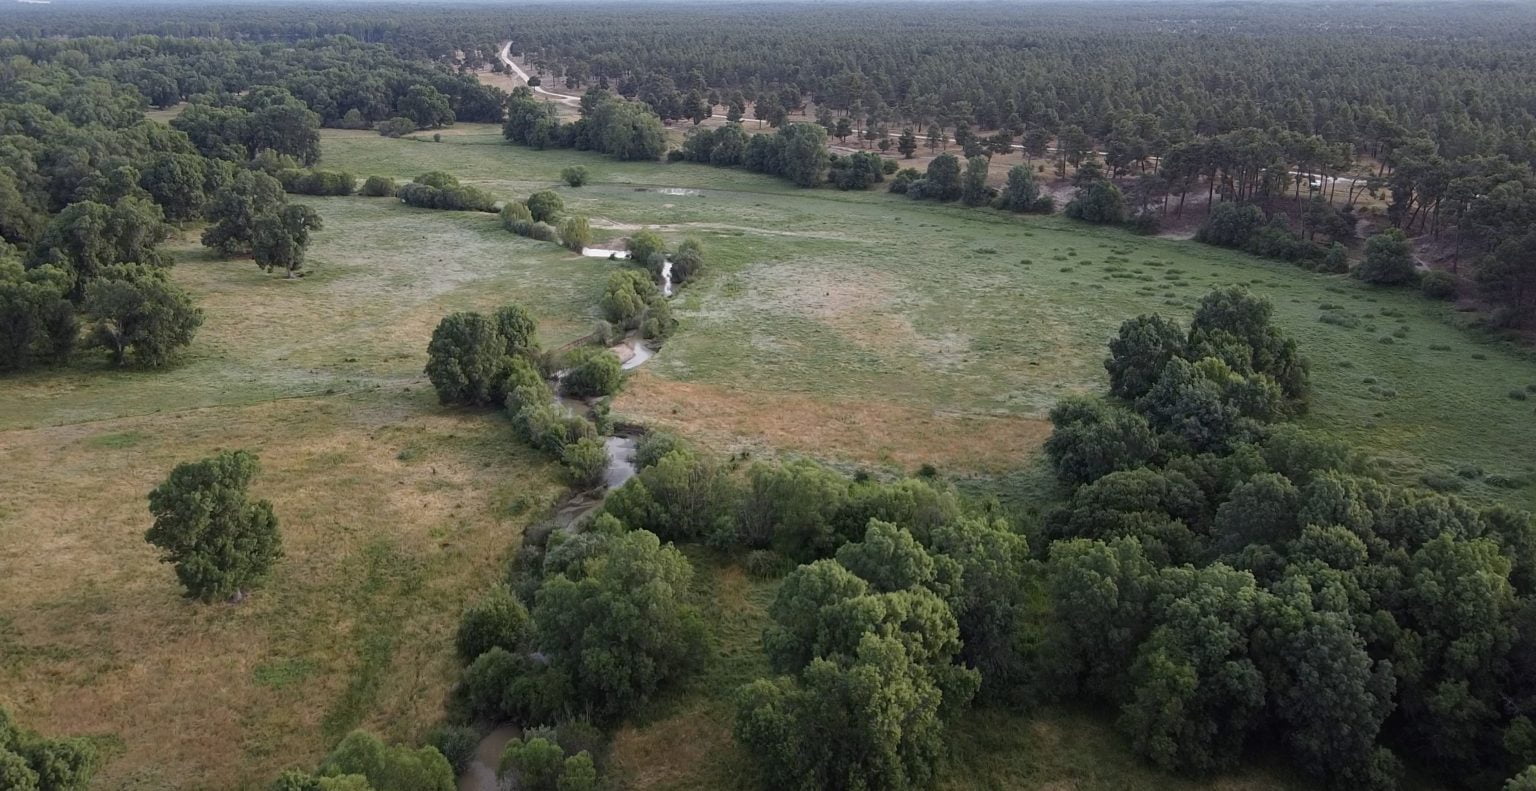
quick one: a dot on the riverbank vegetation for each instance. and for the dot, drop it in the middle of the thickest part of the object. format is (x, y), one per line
(891, 488)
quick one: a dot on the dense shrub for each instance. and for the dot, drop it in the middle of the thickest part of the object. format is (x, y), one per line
(545, 206)
(575, 175)
(626, 297)
(441, 191)
(1388, 259)
(317, 182)
(379, 187)
(593, 373)
(396, 127)
(543, 232)
(457, 743)
(622, 627)
(1098, 202)
(585, 462)
(1438, 284)
(575, 233)
(496, 621)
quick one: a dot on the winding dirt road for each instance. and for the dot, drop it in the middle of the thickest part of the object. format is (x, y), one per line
(506, 57)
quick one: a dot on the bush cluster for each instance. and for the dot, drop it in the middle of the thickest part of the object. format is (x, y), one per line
(438, 190)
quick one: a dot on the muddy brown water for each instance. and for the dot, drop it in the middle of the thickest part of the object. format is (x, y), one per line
(480, 775)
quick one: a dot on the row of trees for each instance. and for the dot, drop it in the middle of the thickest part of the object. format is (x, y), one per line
(346, 83)
(439, 190)
(608, 124)
(945, 181)
(797, 152)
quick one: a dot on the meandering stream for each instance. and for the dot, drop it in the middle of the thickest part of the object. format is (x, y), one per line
(620, 255)
(481, 774)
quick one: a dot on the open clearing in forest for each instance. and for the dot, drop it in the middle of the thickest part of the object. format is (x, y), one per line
(863, 329)
(866, 301)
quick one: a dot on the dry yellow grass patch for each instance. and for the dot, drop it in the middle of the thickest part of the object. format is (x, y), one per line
(354, 627)
(864, 431)
(671, 753)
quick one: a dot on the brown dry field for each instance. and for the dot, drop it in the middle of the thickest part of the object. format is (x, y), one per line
(860, 432)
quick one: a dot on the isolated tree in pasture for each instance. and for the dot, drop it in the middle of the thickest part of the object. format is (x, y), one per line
(219, 541)
(575, 175)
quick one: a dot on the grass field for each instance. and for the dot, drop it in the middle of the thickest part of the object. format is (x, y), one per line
(863, 329)
(395, 512)
(859, 327)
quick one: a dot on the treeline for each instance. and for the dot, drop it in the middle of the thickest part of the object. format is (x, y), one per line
(1313, 68)
(1257, 584)
(346, 83)
(619, 128)
(89, 189)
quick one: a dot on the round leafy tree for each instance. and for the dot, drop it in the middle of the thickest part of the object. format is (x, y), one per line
(220, 542)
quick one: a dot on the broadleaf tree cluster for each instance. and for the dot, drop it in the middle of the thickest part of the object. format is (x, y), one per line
(1226, 581)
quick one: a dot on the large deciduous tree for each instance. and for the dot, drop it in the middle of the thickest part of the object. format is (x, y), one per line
(620, 625)
(137, 313)
(220, 542)
(467, 360)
